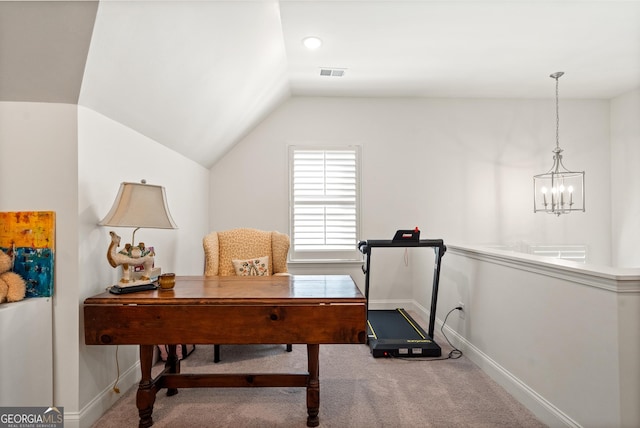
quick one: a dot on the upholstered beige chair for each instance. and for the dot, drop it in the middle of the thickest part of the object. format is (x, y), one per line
(221, 248)
(233, 252)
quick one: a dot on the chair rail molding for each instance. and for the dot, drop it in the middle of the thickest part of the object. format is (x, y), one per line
(619, 280)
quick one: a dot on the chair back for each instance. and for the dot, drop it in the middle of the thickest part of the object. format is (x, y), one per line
(221, 248)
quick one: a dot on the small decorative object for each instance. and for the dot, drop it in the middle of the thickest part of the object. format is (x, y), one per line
(128, 257)
(12, 286)
(137, 205)
(167, 281)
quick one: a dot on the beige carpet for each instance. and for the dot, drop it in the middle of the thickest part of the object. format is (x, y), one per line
(356, 390)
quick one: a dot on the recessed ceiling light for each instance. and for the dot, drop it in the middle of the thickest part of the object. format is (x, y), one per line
(312, 42)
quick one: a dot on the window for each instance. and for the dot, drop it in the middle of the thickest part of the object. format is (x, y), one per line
(324, 203)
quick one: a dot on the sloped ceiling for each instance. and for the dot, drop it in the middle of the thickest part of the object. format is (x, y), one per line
(43, 49)
(194, 76)
(198, 75)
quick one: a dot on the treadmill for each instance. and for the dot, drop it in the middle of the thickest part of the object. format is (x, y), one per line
(394, 333)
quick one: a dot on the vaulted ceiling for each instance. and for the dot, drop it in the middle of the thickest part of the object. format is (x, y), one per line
(196, 76)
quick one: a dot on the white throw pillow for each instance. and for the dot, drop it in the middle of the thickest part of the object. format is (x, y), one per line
(258, 266)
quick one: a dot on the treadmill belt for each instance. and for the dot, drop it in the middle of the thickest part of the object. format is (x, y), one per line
(394, 333)
(391, 324)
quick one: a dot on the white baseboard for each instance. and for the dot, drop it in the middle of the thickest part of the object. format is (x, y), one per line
(538, 405)
(97, 407)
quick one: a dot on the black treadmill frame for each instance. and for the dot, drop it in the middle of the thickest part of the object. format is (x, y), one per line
(439, 250)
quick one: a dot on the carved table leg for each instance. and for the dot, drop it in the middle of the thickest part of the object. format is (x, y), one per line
(173, 366)
(313, 387)
(146, 395)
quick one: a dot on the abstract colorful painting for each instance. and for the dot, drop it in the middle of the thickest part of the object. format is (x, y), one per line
(29, 238)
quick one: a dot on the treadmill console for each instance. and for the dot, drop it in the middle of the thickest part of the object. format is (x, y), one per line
(407, 235)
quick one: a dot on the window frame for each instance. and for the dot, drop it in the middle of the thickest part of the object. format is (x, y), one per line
(325, 255)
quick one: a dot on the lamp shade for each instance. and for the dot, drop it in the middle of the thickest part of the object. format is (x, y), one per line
(140, 205)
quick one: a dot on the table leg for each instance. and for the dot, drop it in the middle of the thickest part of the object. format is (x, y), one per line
(146, 395)
(313, 387)
(173, 366)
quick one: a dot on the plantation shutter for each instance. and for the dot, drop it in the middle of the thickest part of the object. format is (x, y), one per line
(324, 187)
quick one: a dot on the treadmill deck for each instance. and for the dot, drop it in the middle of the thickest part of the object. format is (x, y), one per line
(394, 333)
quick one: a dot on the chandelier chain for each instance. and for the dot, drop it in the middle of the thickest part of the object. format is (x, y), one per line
(557, 116)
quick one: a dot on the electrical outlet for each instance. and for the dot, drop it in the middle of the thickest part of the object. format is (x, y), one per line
(461, 311)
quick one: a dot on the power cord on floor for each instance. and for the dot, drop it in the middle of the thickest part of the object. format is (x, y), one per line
(455, 352)
(115, 385)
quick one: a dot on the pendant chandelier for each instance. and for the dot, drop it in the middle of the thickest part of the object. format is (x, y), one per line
(558, 191)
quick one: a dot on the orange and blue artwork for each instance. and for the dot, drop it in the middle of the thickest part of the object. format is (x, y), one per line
(29, 238)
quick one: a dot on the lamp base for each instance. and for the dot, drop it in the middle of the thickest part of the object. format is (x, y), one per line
(133, 283)
(137, 278)
(116, 289)
(153, 274)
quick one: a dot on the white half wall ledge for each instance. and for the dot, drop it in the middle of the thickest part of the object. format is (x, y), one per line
(619, 280)
(564, 314)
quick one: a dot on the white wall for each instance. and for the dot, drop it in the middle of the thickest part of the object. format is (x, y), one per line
(108, 154)
(459, 169)
(629, 357)
(625, 163)
(625, 191)
(22, 385)
(38, 172)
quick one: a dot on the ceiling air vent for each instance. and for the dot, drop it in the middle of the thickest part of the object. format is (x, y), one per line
(335, 72)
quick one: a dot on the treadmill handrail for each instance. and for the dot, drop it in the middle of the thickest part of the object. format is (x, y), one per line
(364, 246)
(439, 249)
